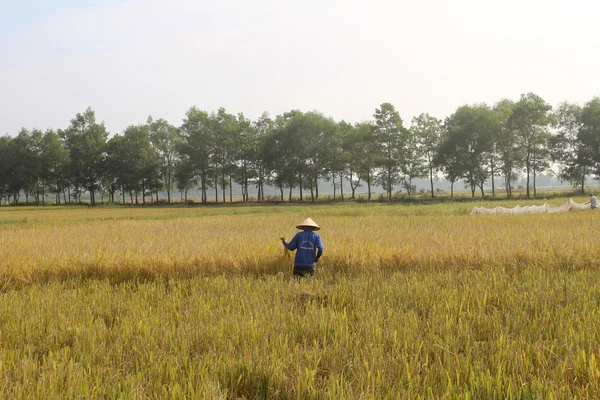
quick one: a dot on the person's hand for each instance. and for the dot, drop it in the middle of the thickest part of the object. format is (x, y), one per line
(282, 239)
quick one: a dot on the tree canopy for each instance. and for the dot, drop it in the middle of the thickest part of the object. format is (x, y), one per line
(296, 151)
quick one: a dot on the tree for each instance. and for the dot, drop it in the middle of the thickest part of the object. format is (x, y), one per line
(340, 158)
(54, 163)
(507, 148)
(225, 130)
(262, 128)
(26, 168)
(10, 183)
(197, 134)
(117, 175)
(245, 149)
(86, 141)
(349, 156)
(280, 153)
(316, 134)
(166, 141)
(365, 153)
(589, 132)
(185, 177)
(469, 144)
(142, 161)
(390, 136)
(530, 119)
(573, 157)
(448, 159)
(413, 165)
(428, 133)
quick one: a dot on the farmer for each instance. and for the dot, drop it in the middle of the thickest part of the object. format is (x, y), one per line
(309, 248)
(593, 201)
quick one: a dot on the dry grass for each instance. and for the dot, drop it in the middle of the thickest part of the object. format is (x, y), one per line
(416, 302)
(120, 244)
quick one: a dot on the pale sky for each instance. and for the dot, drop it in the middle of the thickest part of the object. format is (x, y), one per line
(128, 59)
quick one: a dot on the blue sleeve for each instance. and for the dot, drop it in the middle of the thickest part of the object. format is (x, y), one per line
(292, 244)
(319, 246)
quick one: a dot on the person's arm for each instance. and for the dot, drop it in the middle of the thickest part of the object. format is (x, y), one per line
(319, 247)
(292, 244)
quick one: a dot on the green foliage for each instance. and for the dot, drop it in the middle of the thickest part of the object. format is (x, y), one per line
(166, 142)
(86, 141)
(530, 119)
(427, 132)
(508, 152)
(589, 132)
(469, 144)
(297, 150)
(391, 154)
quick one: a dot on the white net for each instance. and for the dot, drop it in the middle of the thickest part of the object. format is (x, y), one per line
(579, 206)
(533, 209)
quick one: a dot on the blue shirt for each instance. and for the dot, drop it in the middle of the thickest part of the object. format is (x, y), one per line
(309, 248)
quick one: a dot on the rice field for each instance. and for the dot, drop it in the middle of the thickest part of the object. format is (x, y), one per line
(421, 301)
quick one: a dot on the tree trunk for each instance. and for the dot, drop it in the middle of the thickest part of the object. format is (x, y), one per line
(223, 185)
(203, 183)
(317, 187)
(431, 180)
(534, 189)
(333, 180)
(290, 195)
(369, 185)
(301, 198)
(452, 190)
(493, 184)
(389, 185)
(342, 186)
(528, 173)
(246, 183)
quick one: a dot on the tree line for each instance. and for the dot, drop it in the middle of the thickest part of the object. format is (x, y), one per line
(296, 150)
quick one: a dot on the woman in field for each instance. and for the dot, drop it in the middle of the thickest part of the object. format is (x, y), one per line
(308, 246)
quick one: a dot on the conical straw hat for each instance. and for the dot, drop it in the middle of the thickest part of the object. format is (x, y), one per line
(308, 223)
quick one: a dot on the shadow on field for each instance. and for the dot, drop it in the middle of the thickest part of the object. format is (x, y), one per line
(132, 273)
(138, 272)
